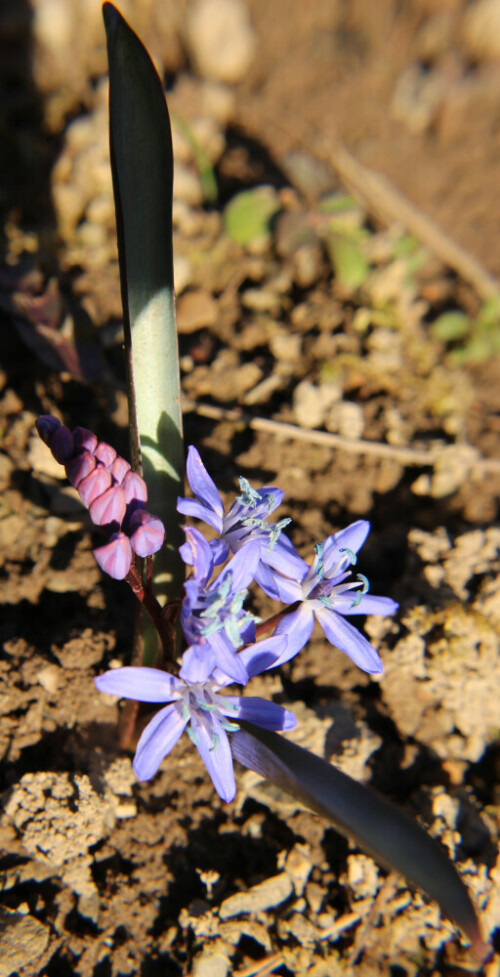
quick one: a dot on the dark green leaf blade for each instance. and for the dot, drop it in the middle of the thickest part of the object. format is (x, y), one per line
(383, 830)
(142, 168)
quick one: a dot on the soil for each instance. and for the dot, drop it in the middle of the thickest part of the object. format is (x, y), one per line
(333, 328)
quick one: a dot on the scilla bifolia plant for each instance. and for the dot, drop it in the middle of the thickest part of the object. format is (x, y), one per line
(223, 644)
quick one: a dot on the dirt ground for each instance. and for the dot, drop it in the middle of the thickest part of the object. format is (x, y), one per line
(299, 305)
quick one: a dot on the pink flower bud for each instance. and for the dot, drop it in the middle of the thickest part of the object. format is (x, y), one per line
(115, 557)
(146, 533)
(94, 484)
(79, 467)
(134, 488)
(84, 439)
(109, 507)
(61, 444)
(119, 469)
(105, 454)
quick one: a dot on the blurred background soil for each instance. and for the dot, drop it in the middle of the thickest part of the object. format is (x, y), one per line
(310, 295)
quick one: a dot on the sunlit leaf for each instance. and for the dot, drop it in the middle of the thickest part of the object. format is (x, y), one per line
(379, 827)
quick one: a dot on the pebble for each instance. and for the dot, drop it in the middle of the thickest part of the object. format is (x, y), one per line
(481, 30)
(220, 39)
(211, 964)
(48, 678)
(347, 419)
(308, 406)
(196, 310)
(265, 895)
(311, 403)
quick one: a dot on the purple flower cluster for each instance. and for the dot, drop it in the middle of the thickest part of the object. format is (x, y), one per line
(114, 495)
(221, 634)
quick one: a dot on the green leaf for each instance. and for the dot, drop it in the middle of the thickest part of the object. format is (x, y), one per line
(378, 826)
(247, 217)
(142, 168)
(450, 326)
(349, 262)
(335, 203)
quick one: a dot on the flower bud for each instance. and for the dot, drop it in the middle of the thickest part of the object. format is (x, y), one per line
(85, 440)
(79, 467)
(46, 426)
(147, 533)
(134, 488)
(119, 469)
(61, 444)
(94, 484)
(115, 557)
(105, 453)
(110, 507)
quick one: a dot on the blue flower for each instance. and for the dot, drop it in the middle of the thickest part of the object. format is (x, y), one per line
(326, 592)
(197, 701)
(212, 612)
(246, 520)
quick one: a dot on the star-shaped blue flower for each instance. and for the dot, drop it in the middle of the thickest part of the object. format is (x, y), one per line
(326, 592)
(197, 702)
(246, 520)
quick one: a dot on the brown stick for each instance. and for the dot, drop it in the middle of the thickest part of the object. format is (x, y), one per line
(419, 457)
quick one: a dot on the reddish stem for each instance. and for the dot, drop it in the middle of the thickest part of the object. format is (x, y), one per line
(271, 622)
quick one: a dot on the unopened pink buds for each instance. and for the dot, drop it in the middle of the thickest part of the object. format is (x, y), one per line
(114, 495)
(108, 508)
(146, 533)
(115, 557)
(93, 485)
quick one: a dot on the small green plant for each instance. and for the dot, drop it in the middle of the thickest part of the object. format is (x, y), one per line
(470, 340)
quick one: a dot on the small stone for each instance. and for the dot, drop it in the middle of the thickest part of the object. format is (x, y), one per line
(347, 419)
(221, 39)
(211, 964)
(48, 678)
(272, 892)
(481, 30)
(196, 310)
(308, 405)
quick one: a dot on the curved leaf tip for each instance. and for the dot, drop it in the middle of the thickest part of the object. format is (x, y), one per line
(380, 828)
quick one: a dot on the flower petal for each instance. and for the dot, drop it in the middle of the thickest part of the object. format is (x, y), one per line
(213, 746)
(159, 737)
(369, 604)
(140, 683)
(353, 536)
(276, 586)
(196, 552)
(263, 654)
(284, 558)
(227, 660)
(190, 507)
(198, 663)
(346, 638)
(267, 715)
(298, 627)
(242, 567)
(202, 485)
